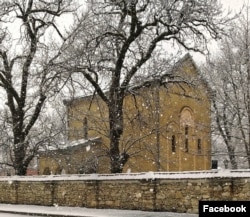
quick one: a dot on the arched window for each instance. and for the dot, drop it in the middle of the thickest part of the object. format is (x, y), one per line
(85, 127)
(58, 170)
(46, 171)
(172, 136)
(199, 146)
(173, 143)
(186, 117)
(186, 138)
(186, 124)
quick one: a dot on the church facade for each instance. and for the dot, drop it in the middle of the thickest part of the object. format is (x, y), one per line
(166, 127)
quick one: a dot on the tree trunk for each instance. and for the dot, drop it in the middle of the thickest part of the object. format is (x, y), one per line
(21, 170)
(248, 159)
(117, 159)
(232, 157)
(19, 153)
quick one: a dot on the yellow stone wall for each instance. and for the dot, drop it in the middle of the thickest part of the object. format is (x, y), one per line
(93, 191)
(81, 158)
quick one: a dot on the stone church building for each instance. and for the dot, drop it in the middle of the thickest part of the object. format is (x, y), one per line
(166, 128)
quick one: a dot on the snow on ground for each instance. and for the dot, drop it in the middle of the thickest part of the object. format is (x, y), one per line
(80, 212)
(14, 215)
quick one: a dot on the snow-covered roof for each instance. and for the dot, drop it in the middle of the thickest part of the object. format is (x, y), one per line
(137, 176)
(74, 143)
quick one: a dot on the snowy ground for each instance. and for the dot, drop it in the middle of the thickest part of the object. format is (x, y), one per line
(14, 215)
(80, 212)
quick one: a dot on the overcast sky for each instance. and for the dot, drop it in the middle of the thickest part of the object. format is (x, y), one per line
(233, 4)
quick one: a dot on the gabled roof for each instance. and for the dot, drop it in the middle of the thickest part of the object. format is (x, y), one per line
(146, 83)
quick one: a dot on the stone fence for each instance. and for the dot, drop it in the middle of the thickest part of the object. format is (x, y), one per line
(174, 192)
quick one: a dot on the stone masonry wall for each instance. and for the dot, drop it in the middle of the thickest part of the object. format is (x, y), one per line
(157, 193)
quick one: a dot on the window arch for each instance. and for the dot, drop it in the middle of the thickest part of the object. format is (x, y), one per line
(85, 128)
(186, 117)
(199, 146)
(186, 138)
(186, 125)
(172, 136)
(46, 171)
(173, 143)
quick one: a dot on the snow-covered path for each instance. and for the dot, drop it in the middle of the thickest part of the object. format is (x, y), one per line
(81, 212)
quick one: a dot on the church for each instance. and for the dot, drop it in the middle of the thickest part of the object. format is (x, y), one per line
(166, 128)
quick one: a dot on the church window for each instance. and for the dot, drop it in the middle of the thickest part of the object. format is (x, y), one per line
(186, 138)
(199, 146)
(46, 171)
(85, 127)
(187, 126)
(173, 141)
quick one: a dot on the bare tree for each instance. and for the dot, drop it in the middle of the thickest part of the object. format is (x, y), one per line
(229, 74)
(31, 42)
(117, 40)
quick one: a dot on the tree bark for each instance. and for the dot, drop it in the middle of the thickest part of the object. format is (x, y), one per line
(118, 159)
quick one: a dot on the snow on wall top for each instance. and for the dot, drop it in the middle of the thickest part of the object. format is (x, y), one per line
(136, 176)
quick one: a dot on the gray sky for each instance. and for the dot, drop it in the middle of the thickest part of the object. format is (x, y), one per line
(233, 4)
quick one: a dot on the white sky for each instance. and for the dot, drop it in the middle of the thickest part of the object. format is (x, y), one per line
(233, 4)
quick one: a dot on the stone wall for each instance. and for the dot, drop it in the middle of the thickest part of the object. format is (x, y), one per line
(175, 192)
